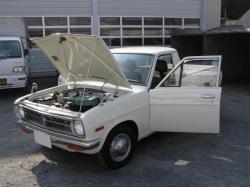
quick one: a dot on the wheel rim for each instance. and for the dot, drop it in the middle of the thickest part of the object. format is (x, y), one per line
(120, 147)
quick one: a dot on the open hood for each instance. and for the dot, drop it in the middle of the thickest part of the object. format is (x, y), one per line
(82, 57)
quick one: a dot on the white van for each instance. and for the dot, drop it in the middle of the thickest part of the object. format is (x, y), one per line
(14, 70)
(14, 66)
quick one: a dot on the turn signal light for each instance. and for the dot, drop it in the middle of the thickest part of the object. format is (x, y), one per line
(75, 148)
(25, 130)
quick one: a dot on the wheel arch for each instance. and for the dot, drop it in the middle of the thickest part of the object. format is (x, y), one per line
(132, 124)
(104, 155)
(126, 122)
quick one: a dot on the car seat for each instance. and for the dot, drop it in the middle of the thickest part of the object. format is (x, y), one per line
(161, 70)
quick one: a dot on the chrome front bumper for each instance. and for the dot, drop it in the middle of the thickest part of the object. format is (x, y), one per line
(60, 139)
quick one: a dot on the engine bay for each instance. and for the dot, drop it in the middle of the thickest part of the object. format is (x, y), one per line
(77, 100)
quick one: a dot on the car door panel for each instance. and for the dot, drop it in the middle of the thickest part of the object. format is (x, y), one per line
(186, 108)
(195, 111)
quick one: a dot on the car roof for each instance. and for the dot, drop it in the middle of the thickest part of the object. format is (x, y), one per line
(3, 38)
(143, 50)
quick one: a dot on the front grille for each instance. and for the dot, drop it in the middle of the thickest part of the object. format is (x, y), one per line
(49, 122)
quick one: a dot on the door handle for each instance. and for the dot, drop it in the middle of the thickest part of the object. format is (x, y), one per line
(208, 96)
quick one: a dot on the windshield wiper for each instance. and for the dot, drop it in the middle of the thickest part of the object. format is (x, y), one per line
(14, 56)
(133, 80)
(2, 57)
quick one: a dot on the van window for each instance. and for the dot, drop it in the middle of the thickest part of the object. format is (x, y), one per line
(10, 49)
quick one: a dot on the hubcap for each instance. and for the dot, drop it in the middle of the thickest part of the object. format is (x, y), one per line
(120, 147)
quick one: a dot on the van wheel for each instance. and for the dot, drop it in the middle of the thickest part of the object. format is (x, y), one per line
(118, 148)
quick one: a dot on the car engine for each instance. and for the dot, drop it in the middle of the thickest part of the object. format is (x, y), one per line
(74, 99)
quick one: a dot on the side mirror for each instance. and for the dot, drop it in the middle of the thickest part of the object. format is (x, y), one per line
(34, 87)
(25, 52)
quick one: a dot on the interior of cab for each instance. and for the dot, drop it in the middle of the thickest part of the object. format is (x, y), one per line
(161, 70)
(136, 67)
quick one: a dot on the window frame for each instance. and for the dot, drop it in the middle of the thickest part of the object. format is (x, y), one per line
(68, 26)
(167, 54)
(165, 36)
(164, 27)
(172, 70)
(182, 62)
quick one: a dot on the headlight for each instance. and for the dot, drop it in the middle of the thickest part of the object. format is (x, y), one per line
(19, 112)
(78, 128)
(18, 69)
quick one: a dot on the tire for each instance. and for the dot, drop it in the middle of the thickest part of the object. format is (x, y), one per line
(112, 159)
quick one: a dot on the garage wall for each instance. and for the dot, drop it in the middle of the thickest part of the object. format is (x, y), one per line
(188, 45)
(235, 51)
(234, 48)
(169, 8)
(211, 14)
(31, 8)
(98, 8)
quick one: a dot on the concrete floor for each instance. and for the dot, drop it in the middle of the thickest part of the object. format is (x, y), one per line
(163, 159)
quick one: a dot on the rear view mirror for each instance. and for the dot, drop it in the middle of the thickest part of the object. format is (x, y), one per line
(25, 52)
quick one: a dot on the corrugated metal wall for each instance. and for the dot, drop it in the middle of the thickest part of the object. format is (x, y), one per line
(245, 19)
(169, 8)
(211, 14)
(234, 48)
(45, 7)
(235, 51)
(208, 10)
(40, 65)
(177, 8)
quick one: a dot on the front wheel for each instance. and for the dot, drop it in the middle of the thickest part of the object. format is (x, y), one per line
(118, 148)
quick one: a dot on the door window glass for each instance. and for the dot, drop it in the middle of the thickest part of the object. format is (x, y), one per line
(161, 69)
(194, 73)
(168, 59)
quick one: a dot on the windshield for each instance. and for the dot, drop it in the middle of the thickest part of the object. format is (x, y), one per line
(136, 67)
(10, 49)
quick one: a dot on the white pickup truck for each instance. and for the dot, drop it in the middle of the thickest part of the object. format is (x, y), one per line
(112, 99)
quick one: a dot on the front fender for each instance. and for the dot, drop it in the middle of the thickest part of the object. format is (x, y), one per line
(131, 107)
